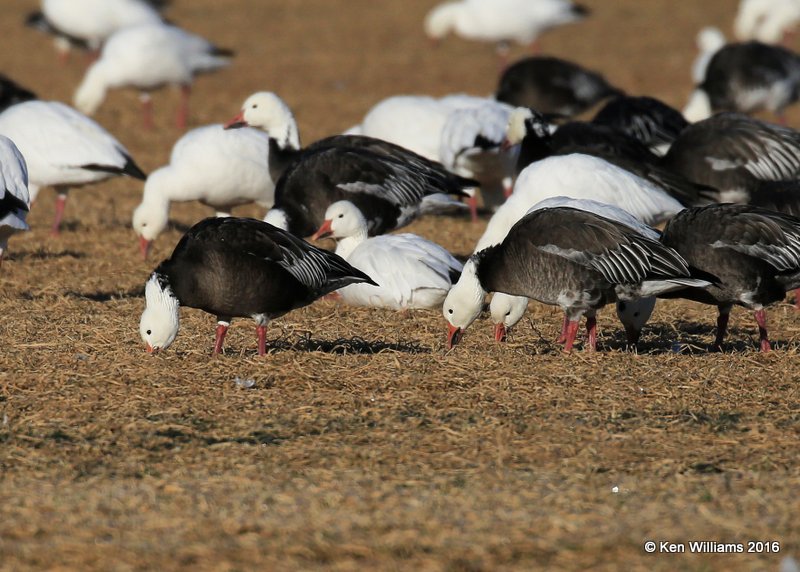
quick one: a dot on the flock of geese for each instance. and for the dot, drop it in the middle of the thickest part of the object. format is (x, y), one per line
(574, 203)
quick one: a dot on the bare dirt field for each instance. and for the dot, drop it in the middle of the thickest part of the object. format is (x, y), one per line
(363, 444)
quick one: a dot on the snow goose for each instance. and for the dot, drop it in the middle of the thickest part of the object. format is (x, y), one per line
(746, 78)
(529, 130)
(220, 168)
(14, 199)
(268, 112)
(507, 310)
(64, 149)
(709, 41)
(753, 252)
(552, 85)
(500, 21)
(767, 21)
(235, 267)
(569, 258)
(411, 272)
(649, 120)
(147, 57)
(747, 160)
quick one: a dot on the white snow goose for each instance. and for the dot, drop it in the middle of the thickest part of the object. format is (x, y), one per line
(64, 149)
(236, 267)
(647, 119)
(268, 112)
(507, 310)
(531, 132)
(14, 199)
(146, 58)
(501, 21)
(569, 258)
(411, 272)
(753, 252)
(747, 77)
(553, 86)
(219, 168)
(768, 21)
(747, 160)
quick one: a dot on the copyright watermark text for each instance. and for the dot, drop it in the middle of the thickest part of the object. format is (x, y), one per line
(712, 547)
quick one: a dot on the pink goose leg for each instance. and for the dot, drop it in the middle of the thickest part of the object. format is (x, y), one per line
(182, 120)
(761, 320)
(262, 339)
(61, 203)
(591, 332)
(572, 331)
(222, 329)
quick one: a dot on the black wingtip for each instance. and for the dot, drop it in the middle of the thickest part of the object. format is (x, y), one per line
(581, 10)
(132, 169)
(222, 52)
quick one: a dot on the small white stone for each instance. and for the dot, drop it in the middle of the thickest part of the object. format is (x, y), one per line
(244, 383)
(615, 489)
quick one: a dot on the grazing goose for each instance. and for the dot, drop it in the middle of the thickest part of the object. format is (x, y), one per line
(709, 41)
(649, 120)
(530, 131)
(238, 267)
(507, 310)
(411, 272)
(746, 77)
(389, 192)
(501, 21)
(570, 258)
(552, 86)
(747, 160)
(14, 199)
(64, 149)
(753, 252)
(222, 169)
(146, 58)
(268, 112)
(767, 21)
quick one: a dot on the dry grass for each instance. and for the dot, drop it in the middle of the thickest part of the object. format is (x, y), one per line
(363, 445)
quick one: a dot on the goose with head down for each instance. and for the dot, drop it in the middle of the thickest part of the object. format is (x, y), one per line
(238, 267)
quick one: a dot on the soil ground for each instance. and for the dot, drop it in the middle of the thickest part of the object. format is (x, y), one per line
(363, 444)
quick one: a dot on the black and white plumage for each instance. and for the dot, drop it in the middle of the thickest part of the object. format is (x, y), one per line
(747, 78)
(552, 85)
(236, 267)
(754, 254)
(389, 192)
(571, 258)
(747, 160)
(14, 199)
(647, 119)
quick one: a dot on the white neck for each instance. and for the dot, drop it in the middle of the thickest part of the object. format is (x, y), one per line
(345, 246)
(698, 107)
(92, 91)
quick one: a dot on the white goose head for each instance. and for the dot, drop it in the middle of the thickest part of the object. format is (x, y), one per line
(266, 111)
(160, 320)
(634, 314)
(343, 219)
(441, 20)
(506, 311)
(152, 216)
(463, 303)
(523, 121)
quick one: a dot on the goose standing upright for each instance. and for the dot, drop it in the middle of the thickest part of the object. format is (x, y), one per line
(221, 169)
(754, 253)
(147, 57)
(571, 258)
(411, 272)
(233, 267)
(14, 199)
(64, 149)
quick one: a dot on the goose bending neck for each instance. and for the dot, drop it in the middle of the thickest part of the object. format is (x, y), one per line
(345, 246)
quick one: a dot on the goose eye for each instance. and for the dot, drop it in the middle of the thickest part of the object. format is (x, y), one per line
(255, 105)
(450, 311)
(149, 332)
(341, 216)
(508, 313)
(144, 224)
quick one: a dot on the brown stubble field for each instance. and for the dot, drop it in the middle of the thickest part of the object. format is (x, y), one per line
(363, 445)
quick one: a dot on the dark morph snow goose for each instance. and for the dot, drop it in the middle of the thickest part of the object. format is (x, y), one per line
(649, 120)
(222, 169)
(148, 57)
(532, 133)
(570, 258)
(552, 85)
(389, 192)
(500, 21)
(238, 267)
(753, 252)
(507, 310)
(747, 160)
(268, 112)
(412, 272)
(14, 199)
(746, 78)
(64, 149)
